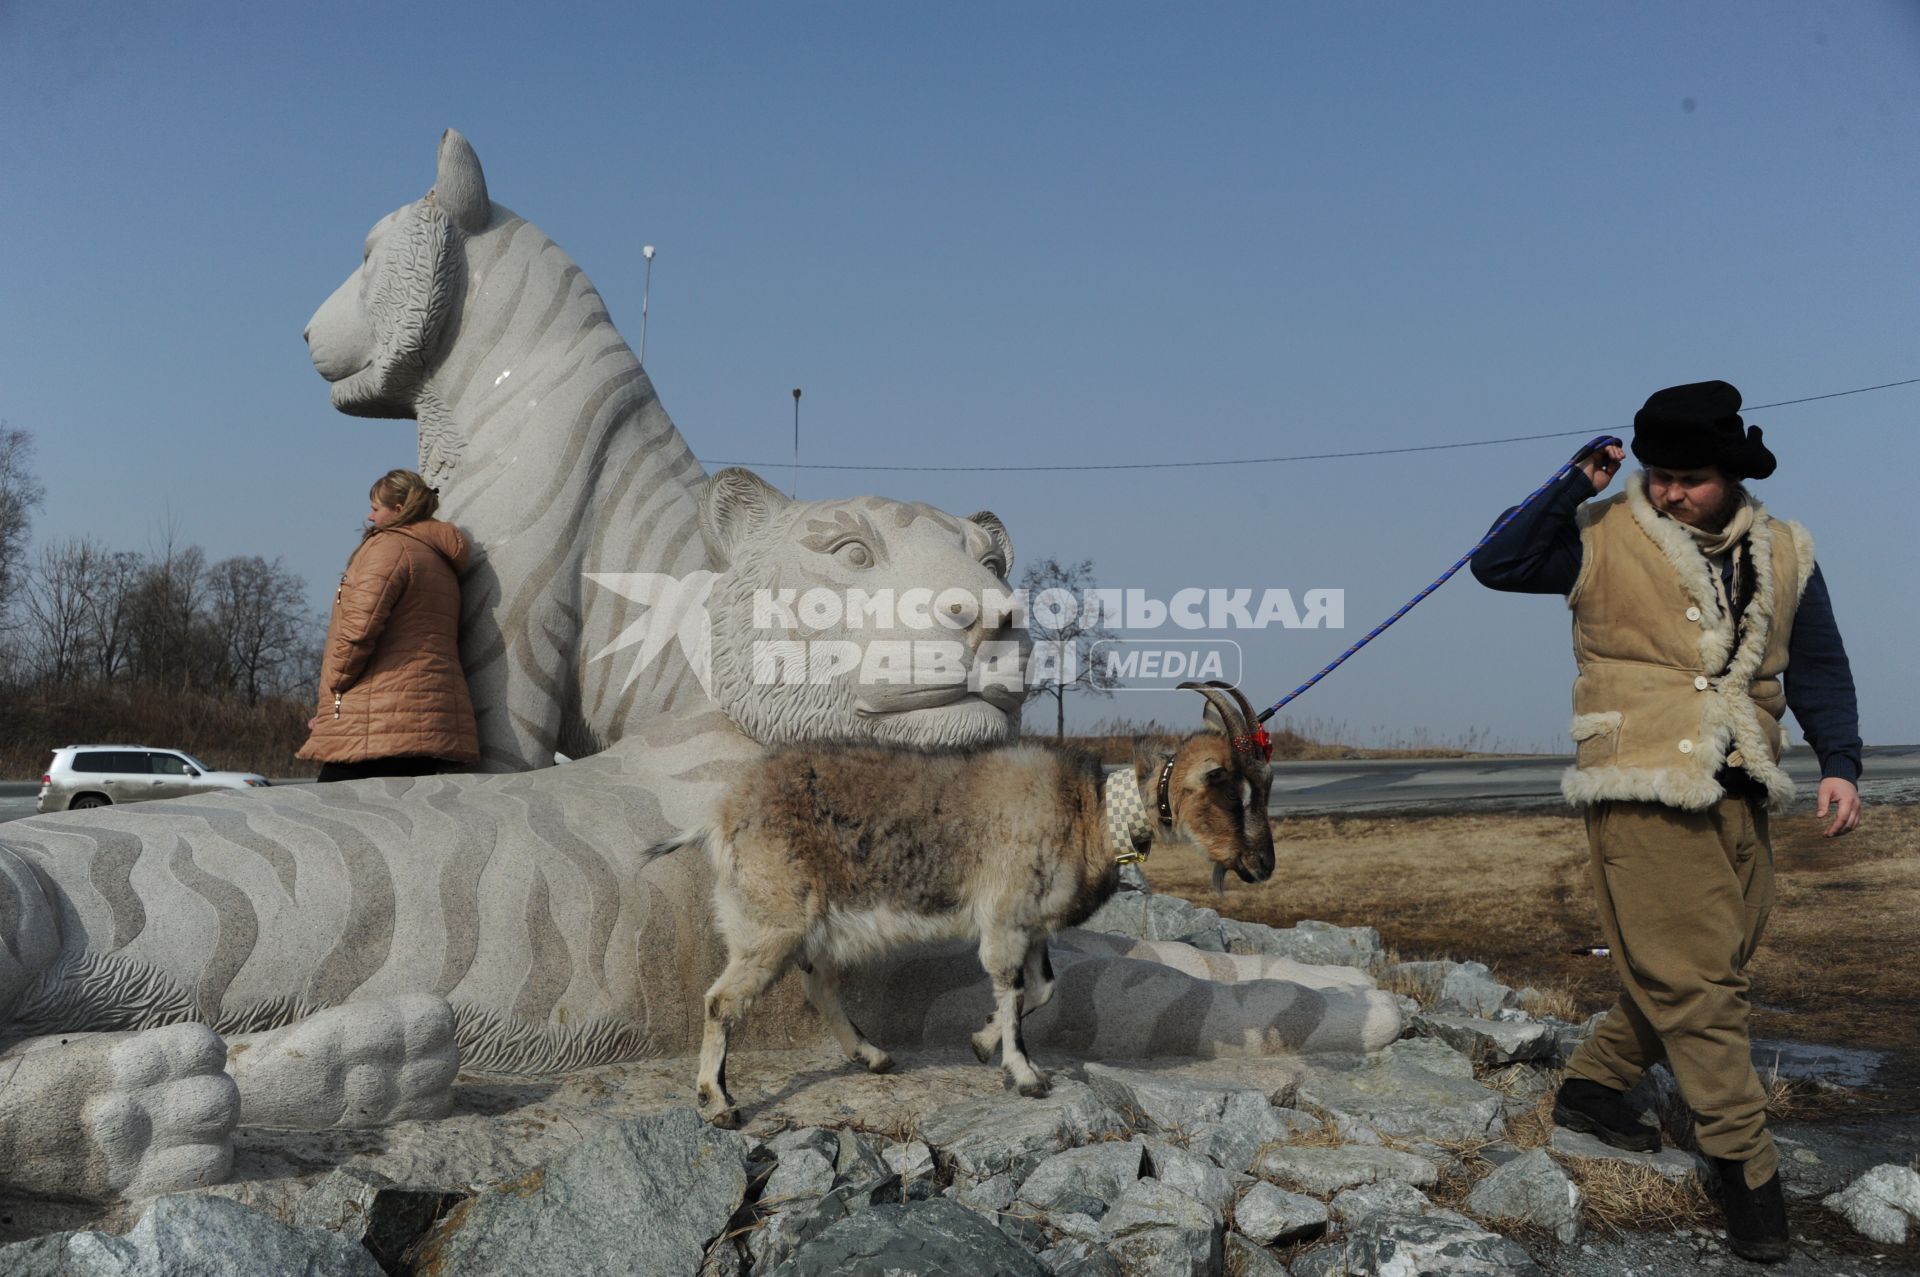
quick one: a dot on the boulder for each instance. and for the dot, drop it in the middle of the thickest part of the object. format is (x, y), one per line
(1325, 1171)
(1470, 987)
(1673, 1163)
(934, 1238)
(1883, 1204)
(365, 1206)
(975, 1139)
(1169, 1252)
(1531, 1189)
(205, 1236)
(1194, 1174)
(1155, 916)
(1399, 1097)
(1489, 1041)
(1148, 1203)
(1103, 1171)
(1227, 1123)
(645, 1196)
(1249, 1259)
(1270, 1215)
(1354, 1206)
(1399, 1246)
(1319, 943)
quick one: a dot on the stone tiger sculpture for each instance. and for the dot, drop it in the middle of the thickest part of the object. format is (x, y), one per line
(330, 956)
(547, 443)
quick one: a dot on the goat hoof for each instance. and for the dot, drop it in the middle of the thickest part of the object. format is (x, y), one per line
(1036, 1088)
(726, 1119)
(878, 1062)
(983, 1051)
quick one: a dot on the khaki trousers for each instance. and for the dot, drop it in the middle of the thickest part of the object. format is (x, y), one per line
(1683, 898)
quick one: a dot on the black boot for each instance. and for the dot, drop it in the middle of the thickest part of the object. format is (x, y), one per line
(1756, 1217)
(1602, 1112)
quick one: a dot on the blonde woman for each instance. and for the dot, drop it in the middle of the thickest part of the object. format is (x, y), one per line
(393, 698)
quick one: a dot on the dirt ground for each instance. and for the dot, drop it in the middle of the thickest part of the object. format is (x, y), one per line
(1840, 964)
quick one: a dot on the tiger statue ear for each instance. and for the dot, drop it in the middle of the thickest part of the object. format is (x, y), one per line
(1002, 542)
(459, 186)
(736, 507)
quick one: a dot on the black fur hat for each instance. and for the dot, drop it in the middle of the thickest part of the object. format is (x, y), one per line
(1688, 427)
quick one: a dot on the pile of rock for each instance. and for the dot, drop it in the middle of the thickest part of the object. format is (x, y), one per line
(1315, 1169)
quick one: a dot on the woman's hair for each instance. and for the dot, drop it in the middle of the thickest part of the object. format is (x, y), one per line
(407, 492)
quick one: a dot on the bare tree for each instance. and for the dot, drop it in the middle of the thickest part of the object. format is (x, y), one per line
(20, 492)
(58, 597)
(257, 611)
(110, 613)
(1072, 633)
(171, 642)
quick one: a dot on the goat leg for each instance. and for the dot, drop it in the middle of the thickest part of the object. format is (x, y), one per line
(821, 979)
(1004, 955)
(750, 972)
(1039, 992)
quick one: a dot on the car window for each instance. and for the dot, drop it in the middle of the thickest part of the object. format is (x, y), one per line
(94, 761)
(169, 765)
(196, 762)
(130, 762)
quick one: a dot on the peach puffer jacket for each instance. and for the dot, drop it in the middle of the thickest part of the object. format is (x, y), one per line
(390, 681)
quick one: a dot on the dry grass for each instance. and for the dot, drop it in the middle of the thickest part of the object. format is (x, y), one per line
(1840, 963)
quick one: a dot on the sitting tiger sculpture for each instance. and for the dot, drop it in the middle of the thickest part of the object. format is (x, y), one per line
(332, 956)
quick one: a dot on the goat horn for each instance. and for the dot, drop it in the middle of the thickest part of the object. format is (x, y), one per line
(1246, 706)
(1227, 709)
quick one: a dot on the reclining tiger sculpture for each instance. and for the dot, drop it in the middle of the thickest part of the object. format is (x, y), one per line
(332, 956)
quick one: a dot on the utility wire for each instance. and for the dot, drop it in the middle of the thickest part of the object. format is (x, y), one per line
(1303, 456)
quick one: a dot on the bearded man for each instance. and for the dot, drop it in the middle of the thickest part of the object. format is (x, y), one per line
(1698, 620)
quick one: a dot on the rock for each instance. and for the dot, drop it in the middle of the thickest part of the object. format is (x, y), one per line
(918, 1239)
(365, 1206)
(1427, 977)
(995, 1193)
(1272, 1215)
(798, 1221)
(1670, 1162)
(1194, 1174)
(1157, 916)
(1248, 1259)
(801, 1172)
(1104, 1171)
(205, 1236)
(975, 1139)
(1531, 1189)
(1354, 1206)
(1081, 1259)
(1079, 1226)
(1883, 1204)
(1399, 1097)
(1227, 1123)
(1324, 1171)
(1470, 987)
(1320, 943)
(1656, 1095)
(1148, 1203)
(1399, 1246)
(1431, 1054)
(647, 1195)
(856, 1160)
(1489, 1041)
(1522, 1085)
(1169, 1252)
(911, 1160)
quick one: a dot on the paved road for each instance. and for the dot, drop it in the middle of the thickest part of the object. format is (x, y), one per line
(1390, 785)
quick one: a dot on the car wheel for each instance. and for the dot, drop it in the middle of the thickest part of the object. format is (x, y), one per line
(85, 801)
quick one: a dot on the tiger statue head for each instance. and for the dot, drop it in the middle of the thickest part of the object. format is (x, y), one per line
(860, 619)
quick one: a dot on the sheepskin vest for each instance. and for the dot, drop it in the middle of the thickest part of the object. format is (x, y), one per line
(1670, 688)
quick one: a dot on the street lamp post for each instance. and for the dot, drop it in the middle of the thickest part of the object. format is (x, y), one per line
(645, 289)
(794, 488)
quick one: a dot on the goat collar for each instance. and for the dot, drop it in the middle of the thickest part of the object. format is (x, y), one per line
(1166, 799)
(1127, 825)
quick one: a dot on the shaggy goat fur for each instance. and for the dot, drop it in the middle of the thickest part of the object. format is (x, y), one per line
(828, 855)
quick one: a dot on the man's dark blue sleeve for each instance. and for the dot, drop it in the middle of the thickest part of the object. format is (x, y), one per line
(1539, 552)
(1819, 684)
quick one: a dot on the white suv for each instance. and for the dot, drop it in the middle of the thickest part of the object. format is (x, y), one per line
(82, 776)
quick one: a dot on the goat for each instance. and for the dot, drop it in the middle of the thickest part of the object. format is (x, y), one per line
(827, 855)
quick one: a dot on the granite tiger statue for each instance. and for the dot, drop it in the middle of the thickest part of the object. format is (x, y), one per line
(547, 443)
(332, 956)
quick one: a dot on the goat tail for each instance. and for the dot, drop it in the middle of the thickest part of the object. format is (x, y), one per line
(685, 838)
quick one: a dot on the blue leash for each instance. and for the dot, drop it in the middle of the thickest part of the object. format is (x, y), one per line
(1600, 441)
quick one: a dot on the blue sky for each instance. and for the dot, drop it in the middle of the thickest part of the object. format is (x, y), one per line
(1007, 233)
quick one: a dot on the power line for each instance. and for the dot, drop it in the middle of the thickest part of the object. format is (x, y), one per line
(1302, 456)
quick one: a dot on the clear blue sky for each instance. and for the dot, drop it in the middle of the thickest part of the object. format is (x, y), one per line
(997, 233)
